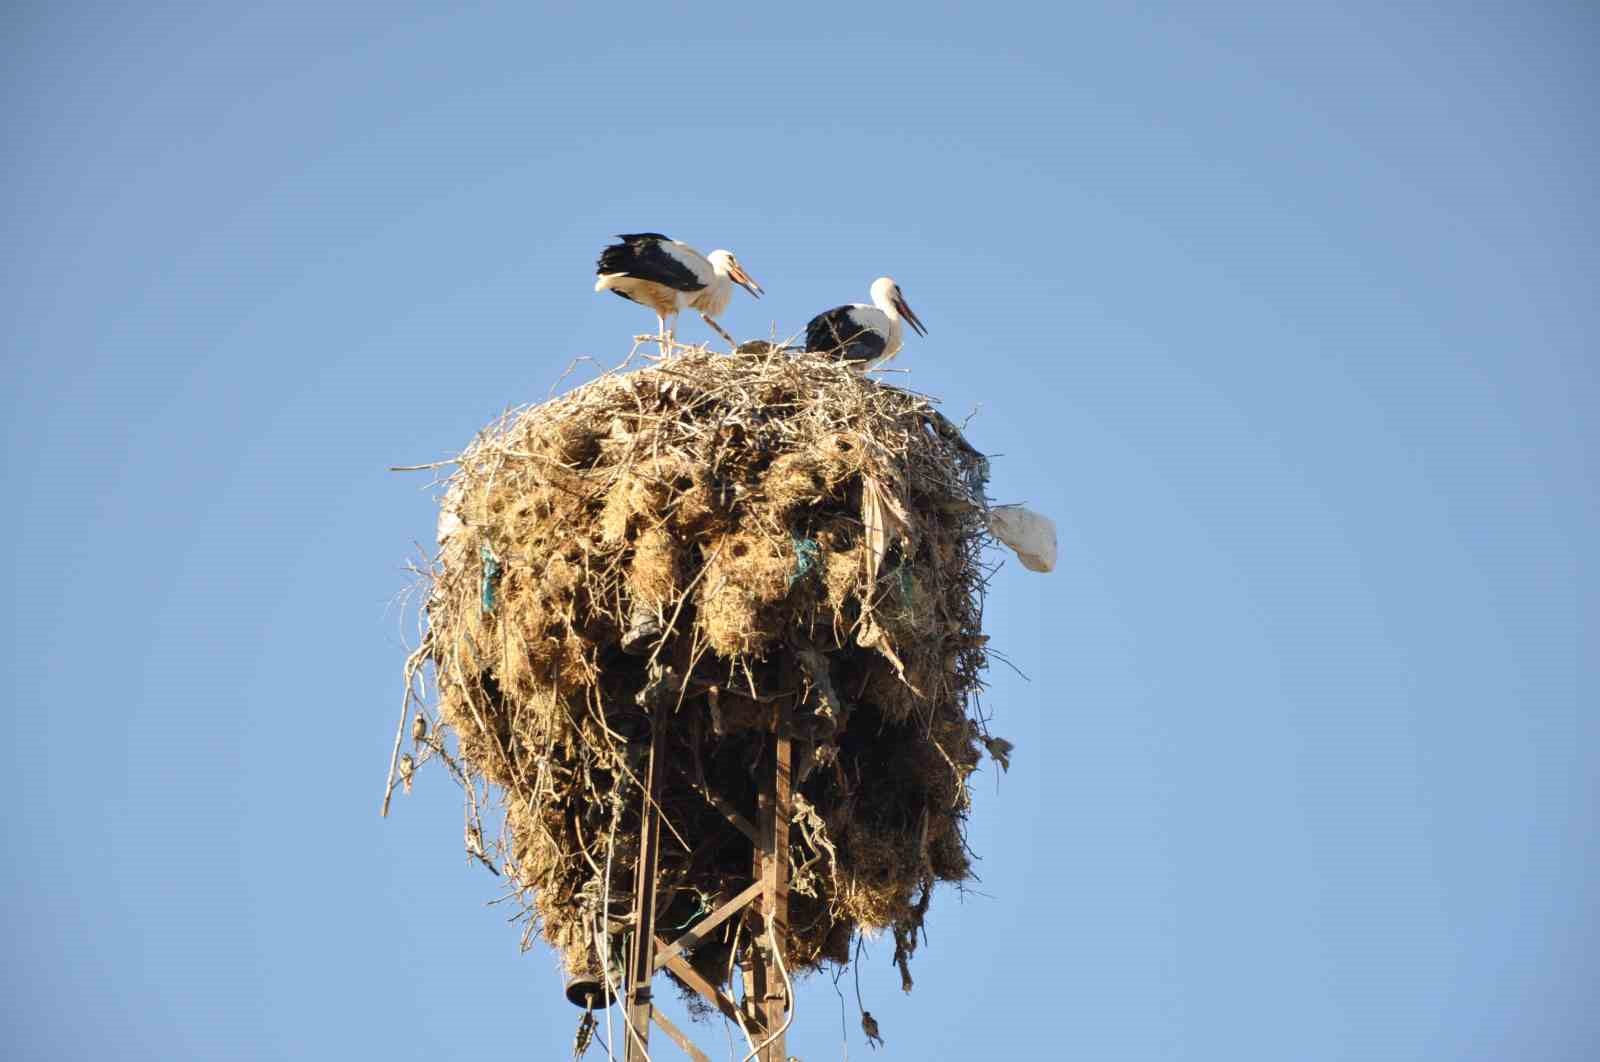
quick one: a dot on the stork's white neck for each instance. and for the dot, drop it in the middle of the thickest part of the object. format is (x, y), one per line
(883, 298)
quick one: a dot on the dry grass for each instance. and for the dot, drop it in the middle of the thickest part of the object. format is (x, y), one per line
(737, 540)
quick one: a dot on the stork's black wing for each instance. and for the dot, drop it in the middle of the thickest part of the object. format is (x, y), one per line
(836, 332)
(640, 255)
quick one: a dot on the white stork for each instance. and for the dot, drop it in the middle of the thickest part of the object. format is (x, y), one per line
(866, 336)
(667, 275)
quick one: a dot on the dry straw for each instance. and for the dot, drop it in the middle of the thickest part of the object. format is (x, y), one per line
(746, 542)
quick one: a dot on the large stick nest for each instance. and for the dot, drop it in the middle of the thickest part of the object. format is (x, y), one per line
(746, 543)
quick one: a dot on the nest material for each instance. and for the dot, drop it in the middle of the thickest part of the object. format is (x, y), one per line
(745, 542)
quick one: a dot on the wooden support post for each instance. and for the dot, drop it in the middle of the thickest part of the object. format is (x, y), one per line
(778, 1002)
(767, 1003)
(642, 953)
(764, 982)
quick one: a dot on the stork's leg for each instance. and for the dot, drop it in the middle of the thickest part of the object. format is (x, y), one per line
(663, 336)
(707, 318)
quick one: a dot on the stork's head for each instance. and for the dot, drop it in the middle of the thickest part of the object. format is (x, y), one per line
(726, 265)
(887, 297)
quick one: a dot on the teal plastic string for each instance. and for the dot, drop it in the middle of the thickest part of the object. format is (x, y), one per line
(807, 553)
(704, 910)
(491, 576)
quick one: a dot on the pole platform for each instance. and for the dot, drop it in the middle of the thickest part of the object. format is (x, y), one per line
(767, 1007)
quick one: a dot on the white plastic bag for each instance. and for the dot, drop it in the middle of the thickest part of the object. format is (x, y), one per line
(1031, 536)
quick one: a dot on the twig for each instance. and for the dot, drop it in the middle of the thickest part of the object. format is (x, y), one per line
(412, 663)
(424, 468)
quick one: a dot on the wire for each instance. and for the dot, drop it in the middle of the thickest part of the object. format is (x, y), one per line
(788, 990)
(603, 916)
(605, 971)
(857, 964)
(733, 953)
(626, 1024)
(844, 1030)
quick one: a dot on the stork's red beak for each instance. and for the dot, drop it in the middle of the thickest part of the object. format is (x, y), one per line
(909, 314)
(744, 280)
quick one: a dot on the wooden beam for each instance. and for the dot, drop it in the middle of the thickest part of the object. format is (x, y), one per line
(731, 813)
(693, 978)
(678, 1038)
(706, 925)
(697, 779)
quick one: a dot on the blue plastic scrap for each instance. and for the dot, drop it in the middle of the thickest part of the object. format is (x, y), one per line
(491, 576)
(806, 555)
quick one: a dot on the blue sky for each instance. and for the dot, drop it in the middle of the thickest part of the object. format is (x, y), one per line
(1284, 312)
